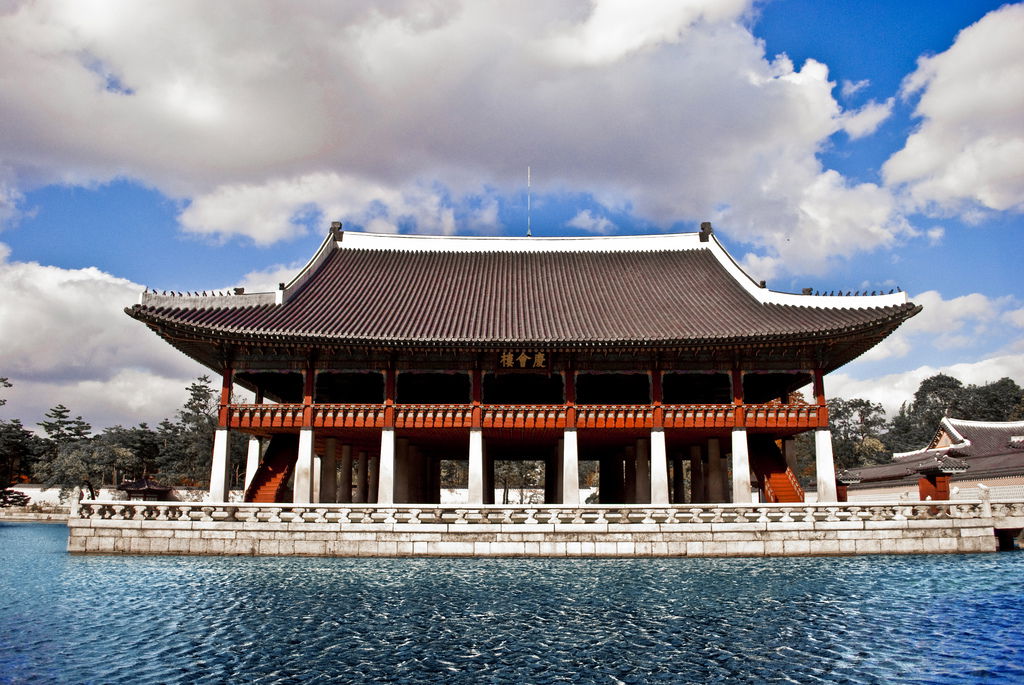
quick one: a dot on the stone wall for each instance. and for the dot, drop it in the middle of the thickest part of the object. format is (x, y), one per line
(540, 531)
(44, 514)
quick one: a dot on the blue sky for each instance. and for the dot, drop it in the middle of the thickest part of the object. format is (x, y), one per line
(835, 145)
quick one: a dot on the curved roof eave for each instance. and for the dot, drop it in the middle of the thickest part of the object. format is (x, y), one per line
(227, 334)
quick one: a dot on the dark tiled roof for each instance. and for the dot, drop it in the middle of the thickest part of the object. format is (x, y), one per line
(366, 296)
(985, 437)
(987, 449)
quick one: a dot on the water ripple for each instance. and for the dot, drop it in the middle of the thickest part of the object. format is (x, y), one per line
(920, 619)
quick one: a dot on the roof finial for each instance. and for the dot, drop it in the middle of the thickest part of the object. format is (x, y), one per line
(706, 231)
(529, 232)
(336, 232)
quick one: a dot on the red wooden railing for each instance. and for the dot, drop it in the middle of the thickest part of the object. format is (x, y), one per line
(524, 416)
(260, 416)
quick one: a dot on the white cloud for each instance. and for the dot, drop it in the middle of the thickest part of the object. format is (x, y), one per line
(824, 216)
(968, 321)
(894, 389)
(585, 220)
(273, 211)
(267, 280)
(615, 28)
(403, 114)
(1014, 318)
(851, 88)
(969, 150)
(935, 235)
(67, 340)
(867, 119)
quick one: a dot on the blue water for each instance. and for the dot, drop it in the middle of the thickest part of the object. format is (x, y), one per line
(883, 619)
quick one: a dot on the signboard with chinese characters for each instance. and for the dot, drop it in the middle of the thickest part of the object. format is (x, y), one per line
(523, 359)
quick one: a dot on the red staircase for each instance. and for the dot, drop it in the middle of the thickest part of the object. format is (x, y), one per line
(271, 479)
(778, 482)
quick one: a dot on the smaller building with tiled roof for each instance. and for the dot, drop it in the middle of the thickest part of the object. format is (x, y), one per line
(967, 452)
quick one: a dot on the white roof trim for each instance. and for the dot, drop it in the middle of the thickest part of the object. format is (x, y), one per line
(355, 240)
(632, 243)
(951, 422)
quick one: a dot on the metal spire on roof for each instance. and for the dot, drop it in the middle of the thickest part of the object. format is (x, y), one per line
(529, 233)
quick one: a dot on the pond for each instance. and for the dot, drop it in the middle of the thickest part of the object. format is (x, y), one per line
(873, 619)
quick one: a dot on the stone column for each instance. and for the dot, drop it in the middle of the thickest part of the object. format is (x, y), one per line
(557, 460)
(317, 473)
(659, 467)
(570, 469)
(741, 493)
(629, 469)
(415, 479)
(401, 470)
(476, 466)
(696, 475)
(643, 471)
(606, 480)
(726, 481)
(678, 484)
(386, 468)
(713, 477)
(329, 472)
(373, 487)
(252, 460)
(302, 490)
(550, 481)
(825, 467)
(345, 486)
(434, 464)
(362, 477)
(219, 469)
(789, 451)
(488, 476)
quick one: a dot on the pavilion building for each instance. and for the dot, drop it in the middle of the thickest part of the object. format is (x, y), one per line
(656, 356)
(962, 457)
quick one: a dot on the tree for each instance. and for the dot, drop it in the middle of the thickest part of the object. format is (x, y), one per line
(12, 498)
(62, 429)
(18, 449)
(995, 401)
(1017, 412)
(76, 464)
(132, 452)
(915, 424)
(185, 446)
(938, 396)
(857, 426)
(68, 460)
(518, 474)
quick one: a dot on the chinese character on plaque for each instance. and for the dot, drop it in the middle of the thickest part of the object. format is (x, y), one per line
(523, 359)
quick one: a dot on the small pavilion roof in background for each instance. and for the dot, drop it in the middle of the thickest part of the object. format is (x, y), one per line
(971, 449)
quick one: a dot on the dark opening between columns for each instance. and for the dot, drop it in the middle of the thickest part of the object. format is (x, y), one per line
(613, 388)
(697, 388)
(285, 387)
(433, 388)
(760, 386)
(337, 387)
(522, 388)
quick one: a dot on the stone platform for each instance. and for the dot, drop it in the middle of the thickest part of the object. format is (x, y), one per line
(112, 527)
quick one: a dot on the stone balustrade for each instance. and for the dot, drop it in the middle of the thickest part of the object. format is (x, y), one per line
(540, 530)
(594, 515)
